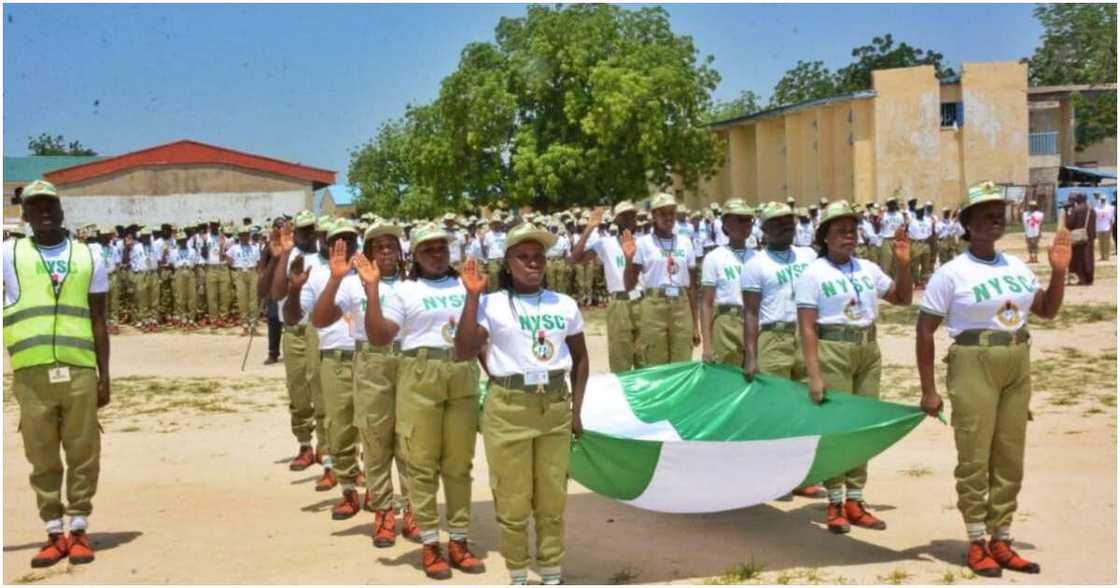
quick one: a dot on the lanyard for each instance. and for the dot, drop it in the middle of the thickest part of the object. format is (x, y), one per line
(537, 338)
(670, 263)
(856, 290)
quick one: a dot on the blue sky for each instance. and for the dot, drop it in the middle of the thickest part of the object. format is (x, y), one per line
(308, 83)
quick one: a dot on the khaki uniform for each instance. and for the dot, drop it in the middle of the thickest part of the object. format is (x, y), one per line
(853, 365)
(117, 281)
(245, 283)
(623, 328)
(528, 446)
(990, 393)
(666, 328)
(921, 265)
(779, 352)
(584, 281)
(60, 415)
(217, 291)
(886, 257)
(305, 394)
(727, 334)
(186, 294)
(437, 422)
(164, 279)
(375, 416)
(559, 273)
(146, 286)
(336, 376)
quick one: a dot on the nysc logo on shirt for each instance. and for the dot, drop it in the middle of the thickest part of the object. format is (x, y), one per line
(442, 302)
(54, 267)
(790, 272)
(833, 287)
(733, 272)
(1008, 283)
(365, 302)
(620, 261)
(549, 322)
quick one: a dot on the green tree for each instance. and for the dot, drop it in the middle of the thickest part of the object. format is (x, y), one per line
(1079, 47)
(747, 102)
(808, 80)
(882, 53)
(46, 144)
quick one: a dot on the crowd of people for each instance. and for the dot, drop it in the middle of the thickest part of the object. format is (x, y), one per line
(388, 327)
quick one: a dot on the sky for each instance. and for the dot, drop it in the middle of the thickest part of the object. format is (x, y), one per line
(309, 83)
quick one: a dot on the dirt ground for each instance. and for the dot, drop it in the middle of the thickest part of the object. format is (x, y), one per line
(195, 487)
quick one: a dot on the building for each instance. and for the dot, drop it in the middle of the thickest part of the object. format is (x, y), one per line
(335, 200)
(910, 135)
(184, 182)
(20, 171)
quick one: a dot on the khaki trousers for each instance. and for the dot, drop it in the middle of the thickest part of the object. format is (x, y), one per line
(854, 368)
(990, 393)
(1104, 243)
(558, 273)
(245, 283)
(305, 394)
(779, 354)
(53, 416)
(375, 416)
(186, 294)
(116, 284)
(886, 257)
(146, 287)
(336, 378)
(437, 421)
(727, 338)
(623, 319)
(492, 269)
(666, 329)
(920, 262)
(528, 440)
(217, 291)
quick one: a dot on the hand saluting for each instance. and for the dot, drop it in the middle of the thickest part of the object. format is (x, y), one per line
(629, 247)
(902, 246)
(1060, 251)
(596, 217)
(297, 276)
(339, 264)
(473, 280)
(368, 272)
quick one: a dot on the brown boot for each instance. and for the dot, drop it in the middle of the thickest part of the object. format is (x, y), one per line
(435, 566)
(980, 560)
(347, 507)
(835, 519)
(326, 481)
(302, 461)
(80, 551)
(384, 528)
(57, 547)
(858, 516)
(409, 529)
(461, 557)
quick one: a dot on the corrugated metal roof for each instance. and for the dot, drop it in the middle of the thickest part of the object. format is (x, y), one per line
(33, 167)
(793, 108)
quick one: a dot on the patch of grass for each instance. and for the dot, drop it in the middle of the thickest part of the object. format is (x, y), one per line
(29, 578)
(897, 576)
(949, 577)
(1076, 314)
(1070, 374)
(626, 575)
(890, 314)
(751, 570)
(130, 429)
(917, 472)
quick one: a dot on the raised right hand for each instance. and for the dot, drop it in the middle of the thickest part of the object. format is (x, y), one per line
(297, 276)
(339, 264)
(473, 280)
(368, 272)
(629, 246)
(596, 217)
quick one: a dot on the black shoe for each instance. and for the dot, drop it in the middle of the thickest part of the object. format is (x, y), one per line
(271, 360)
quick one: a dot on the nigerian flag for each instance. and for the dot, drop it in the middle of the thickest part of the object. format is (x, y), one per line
(693, 437)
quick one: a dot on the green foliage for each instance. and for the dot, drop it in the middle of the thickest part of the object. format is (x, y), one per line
(808, 80)
(1079, 47)
(46, 144)
(578, 104)
(745, 103)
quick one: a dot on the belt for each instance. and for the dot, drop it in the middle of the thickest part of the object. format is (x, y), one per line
(339, 354)
(295, 330)
(783, 326)
(986, 338)
(517, 382)
(443, 353)
(660, 292)
(392, 348)
(244, 269)
(734, 309)
(846, 333)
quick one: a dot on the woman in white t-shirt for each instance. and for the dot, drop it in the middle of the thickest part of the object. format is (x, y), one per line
(986, 296)
(533, 342)
(837, 302)
(371, 276)
(721, 310)
(437, 396)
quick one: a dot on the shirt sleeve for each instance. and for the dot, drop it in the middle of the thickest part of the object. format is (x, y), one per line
(393, 309)
(883, 282)
(575, 321)
(343, 297)
(938, 295)
(750, 279)
(306, 298)
(99, 283)
(483, 317)
(709, 273)
(805, 290)
(639, 253)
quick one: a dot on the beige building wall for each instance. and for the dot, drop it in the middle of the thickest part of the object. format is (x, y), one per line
(184, 179)
(771, 160)
(994, 137)
(740, 162)
(952, 176)
(863, 153)
(907, 141)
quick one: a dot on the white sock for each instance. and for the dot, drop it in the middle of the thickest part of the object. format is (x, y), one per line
(346, 487)
(836, 495)
(457, 535)
(550, 576)
(327, 463)
(856, 495)
(429, 537)
(78, 523)
(54, 526)
(518, 577)
(975, 531)
(1002, 533)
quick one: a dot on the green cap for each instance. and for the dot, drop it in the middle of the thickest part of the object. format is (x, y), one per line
(180, 235)
(986, 191)
(737, 206)
(305, 218)
(428, 232)
(243, 230)
(835, 210)
(341, 226)
(623, 206)
(661, 200)
(144, 232)
(39, 188)
(774, 210)
(324, 223)
(529, 232)
(382, 228)
(450, 216)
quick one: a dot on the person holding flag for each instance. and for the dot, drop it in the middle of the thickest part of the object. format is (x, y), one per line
(721, 312)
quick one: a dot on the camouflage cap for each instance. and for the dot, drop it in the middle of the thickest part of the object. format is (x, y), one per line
(428, 232)
(180, 235)
(623, 206)
(529, 232)
(838, 209)
(738, 207)
(323, 223)
(383, 228)
(341, 226)
(986, 191)
(772, 210)
(661, 200)
(39, 188)
(305, 218)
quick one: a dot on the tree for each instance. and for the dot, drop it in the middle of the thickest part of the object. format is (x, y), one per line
(883, 54)
(746, 103)
(577, 104)
(45, 144)
(808, 80)
(1079, 47)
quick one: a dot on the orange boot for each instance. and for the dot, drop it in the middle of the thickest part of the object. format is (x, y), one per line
(463, 559)
(835, 519)
(347, 507)
(857, 515)
(326, 481)
(409, 529)
(1008, 558)
(810, 491)
(384, 528)
(302, 461)
(80, 551)
(435, 566)
(980, 560)
(57, 547)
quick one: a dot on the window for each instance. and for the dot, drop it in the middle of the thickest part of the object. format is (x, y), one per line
(952, 114)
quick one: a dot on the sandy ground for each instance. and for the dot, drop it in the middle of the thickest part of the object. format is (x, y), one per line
(195, 488)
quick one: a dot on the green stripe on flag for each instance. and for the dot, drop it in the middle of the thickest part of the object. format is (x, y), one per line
(617, 468)
(840, 452)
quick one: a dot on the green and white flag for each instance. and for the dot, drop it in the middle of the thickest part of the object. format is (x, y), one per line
(693, 437)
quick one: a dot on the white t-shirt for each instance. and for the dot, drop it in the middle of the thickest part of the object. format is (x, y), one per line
(140, 257)
(243, 256)
(772, 274)
(213, 254)
(474, 248)
(664, 271)
(803, 237)
(842, 295)
(560, 249)
(495, 242)
(890, 223)
(337, 334)
(1104, 218)
(57, 261)
(723, 270)
(528, 332)
(609, 250)
(310, 262)
(720, 236)
(974, 294)
(185, 257)
(920, 229)
(426, 311)
(351, 300)
(1032, 224)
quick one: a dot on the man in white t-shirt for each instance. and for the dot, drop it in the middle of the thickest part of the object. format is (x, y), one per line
(493, 248)
(558, 269)
(1032, 229)
(58, 350)
(1106, 217)
(889, 222)
(721, 317)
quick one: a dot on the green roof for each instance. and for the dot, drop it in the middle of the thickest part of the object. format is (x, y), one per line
(32, 167)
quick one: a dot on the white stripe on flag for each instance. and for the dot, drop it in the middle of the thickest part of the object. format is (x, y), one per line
(606, 410)
(713, 476)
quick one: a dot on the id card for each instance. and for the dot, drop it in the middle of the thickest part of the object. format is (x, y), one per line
(59, 375)
(672, 292)
(536, 377)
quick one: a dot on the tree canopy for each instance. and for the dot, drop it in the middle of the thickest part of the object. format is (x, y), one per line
(579, 104)
(46, 144)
